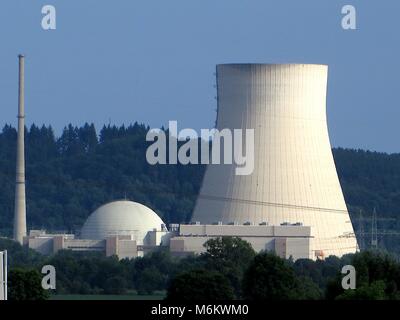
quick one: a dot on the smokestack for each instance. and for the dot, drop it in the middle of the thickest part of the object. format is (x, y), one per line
(20, 202)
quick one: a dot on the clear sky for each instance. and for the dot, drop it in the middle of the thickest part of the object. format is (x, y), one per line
(153, 60)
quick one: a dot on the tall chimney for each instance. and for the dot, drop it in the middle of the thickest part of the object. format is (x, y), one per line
(20, 202)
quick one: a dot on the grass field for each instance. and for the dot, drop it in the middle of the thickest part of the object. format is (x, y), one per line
(158, 296)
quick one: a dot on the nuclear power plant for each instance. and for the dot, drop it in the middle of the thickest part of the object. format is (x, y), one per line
(294, 178)
(291, 204)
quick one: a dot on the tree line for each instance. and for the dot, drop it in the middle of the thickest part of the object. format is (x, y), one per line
(69, 176)
(229, 269)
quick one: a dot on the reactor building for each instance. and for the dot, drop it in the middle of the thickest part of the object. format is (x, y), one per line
(294, 178)
(129, 229)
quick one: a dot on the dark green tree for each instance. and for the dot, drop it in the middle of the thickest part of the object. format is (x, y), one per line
(377, 277)
(88, 136)
(199, 285)
(115, 285)
(25, 284)
(230, 256)
(269, 277)
(373, 291)
(150, 280)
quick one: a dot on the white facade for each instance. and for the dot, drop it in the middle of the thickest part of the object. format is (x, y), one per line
(294, 177)
(47, 244)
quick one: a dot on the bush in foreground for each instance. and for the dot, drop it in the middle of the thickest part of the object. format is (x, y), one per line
(26, 285)
(200, 285)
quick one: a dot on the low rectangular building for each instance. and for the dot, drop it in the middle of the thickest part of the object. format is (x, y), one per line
(121, 246)
(286, 240)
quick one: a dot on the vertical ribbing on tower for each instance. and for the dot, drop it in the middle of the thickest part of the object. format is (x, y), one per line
(20, 201)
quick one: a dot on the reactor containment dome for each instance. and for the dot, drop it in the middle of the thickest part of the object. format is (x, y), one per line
(294, 177)
(122, 218)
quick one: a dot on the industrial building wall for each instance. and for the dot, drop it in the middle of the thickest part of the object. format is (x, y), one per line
(196, 244)
(244, 231)
(84, 244)
(297, 248)
(294, 177)
(43, 245)
(127, 249)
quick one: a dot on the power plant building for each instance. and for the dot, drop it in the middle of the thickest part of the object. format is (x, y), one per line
(286, 240)
(128, 230)
(123, 228)
(292, 202)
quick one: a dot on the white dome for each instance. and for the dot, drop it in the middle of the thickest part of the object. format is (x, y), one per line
(121, 218)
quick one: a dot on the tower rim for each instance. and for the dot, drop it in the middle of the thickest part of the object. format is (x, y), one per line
(272, 64)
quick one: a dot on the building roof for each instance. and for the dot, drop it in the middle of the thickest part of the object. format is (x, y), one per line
(121, 218)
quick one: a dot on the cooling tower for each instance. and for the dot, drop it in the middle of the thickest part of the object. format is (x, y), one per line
(294, 178)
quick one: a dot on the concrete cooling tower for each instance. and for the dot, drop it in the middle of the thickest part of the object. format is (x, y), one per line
(294, 178)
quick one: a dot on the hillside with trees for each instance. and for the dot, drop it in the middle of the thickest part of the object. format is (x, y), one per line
(69, 176)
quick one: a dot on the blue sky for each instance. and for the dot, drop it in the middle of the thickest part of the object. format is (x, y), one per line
(153, 60)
